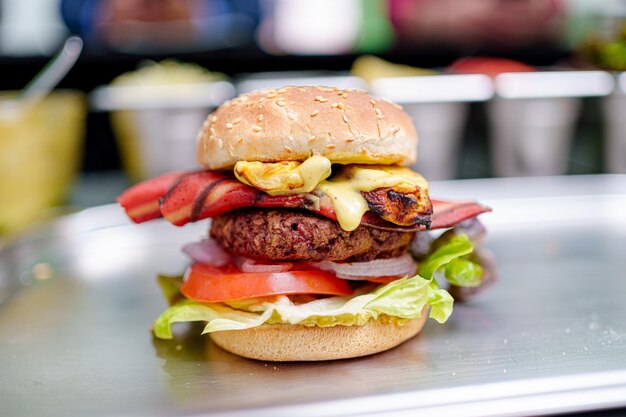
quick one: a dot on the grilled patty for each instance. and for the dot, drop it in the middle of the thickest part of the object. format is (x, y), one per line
(290, 235)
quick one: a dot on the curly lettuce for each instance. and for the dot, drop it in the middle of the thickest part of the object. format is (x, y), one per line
(451, 257)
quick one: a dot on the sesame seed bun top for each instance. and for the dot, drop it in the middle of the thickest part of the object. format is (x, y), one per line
(294, 123)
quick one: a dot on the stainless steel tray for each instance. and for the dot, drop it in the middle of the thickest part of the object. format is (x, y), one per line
(78, 297)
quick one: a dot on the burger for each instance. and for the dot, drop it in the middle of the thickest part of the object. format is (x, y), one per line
(320, 242)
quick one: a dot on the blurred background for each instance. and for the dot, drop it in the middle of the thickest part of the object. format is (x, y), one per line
(495, 87)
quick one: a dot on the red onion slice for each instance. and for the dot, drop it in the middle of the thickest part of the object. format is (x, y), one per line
(400, 266)
(474, 230)
(250, 265)
(420, 245)
(207, 251)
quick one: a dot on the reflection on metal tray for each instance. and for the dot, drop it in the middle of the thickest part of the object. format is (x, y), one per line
(551, 337)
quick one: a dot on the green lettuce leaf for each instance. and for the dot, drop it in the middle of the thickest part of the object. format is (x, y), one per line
(463, 273)
(440, 302)
(451, 257)
(170, 286)
(455, 247)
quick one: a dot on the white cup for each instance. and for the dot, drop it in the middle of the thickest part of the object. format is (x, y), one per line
(614, 108)
(156, 125)
(439, 106)
(440, 132)
(164, 139)
(532, 136)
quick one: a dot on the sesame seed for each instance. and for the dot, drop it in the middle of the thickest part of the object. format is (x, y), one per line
(379, 114)
(237, 120)
(244, 98)
(239, 141)
(396, 105)
(288, 149)
(395, 129)
(271, 95)
(321, 99)
(282, 90)
(349, 140)
(345, 118)
(291, 116)
(344, 95)
(312, 138)
(212, 130)
(373, 102)
(256, 128)
(280, 103)
(334, 105)
(214, 119)
(331, 146)
(250, 103)
(229, 125)
(260, 117)
(338, 106)
(314, 113)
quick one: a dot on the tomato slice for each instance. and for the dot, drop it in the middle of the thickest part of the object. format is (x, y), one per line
(384, 280)
(212, 284)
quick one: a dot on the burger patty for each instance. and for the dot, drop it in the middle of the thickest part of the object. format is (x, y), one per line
(290, 235)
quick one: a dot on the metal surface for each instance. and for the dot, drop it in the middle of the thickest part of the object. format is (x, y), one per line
(434, 88)
(550, 337)
(549, 84)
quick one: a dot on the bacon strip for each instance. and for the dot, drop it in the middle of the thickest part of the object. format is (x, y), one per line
(141, 201)
(445, 214)
(450, 213)
(188, 197)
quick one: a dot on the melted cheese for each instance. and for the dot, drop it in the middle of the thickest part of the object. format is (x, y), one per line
(288, 177)
(344, 189)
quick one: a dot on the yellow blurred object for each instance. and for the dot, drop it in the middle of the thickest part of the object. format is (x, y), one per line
(39, 156)
(370, 68)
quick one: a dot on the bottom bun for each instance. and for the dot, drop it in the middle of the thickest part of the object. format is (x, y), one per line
(285, 342)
